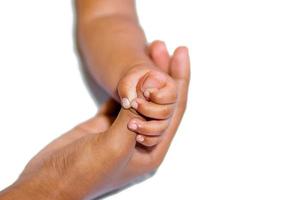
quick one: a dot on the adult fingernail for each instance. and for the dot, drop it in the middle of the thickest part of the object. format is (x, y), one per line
(125, 103)
(140, 138)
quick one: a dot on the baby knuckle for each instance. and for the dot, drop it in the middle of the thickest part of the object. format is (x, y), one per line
(158, 97)
(158, 131)
(166, 113)
(143, 107)
(154, 131)
(150, 142)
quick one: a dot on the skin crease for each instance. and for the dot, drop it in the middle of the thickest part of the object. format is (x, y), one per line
(156, 108)
(92, 160)
(102, 154)
(113, 45)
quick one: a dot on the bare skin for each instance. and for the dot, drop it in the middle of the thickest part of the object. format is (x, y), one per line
(100, 155)
(114, 47)
(111, 41)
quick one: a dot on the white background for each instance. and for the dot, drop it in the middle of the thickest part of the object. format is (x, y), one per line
(241, 133)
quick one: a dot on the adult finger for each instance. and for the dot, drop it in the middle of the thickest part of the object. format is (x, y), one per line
(180, 71)
(159, 54)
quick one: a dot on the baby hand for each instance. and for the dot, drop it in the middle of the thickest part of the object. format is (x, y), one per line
(152, 93)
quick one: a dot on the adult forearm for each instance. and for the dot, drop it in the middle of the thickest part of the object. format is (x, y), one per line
(32, 190)
(111, 42)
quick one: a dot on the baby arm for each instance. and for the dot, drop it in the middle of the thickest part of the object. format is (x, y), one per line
(110, 40)
(114, 46)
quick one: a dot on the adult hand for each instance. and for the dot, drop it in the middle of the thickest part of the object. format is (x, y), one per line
(145, 161)
(95, 158)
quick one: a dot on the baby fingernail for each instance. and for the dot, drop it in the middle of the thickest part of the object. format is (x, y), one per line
(140, 138)
(132, 126)
(134, 104)
(147, 93)
(125, 103)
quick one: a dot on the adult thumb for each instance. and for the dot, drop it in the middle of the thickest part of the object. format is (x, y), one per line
(119, 135)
